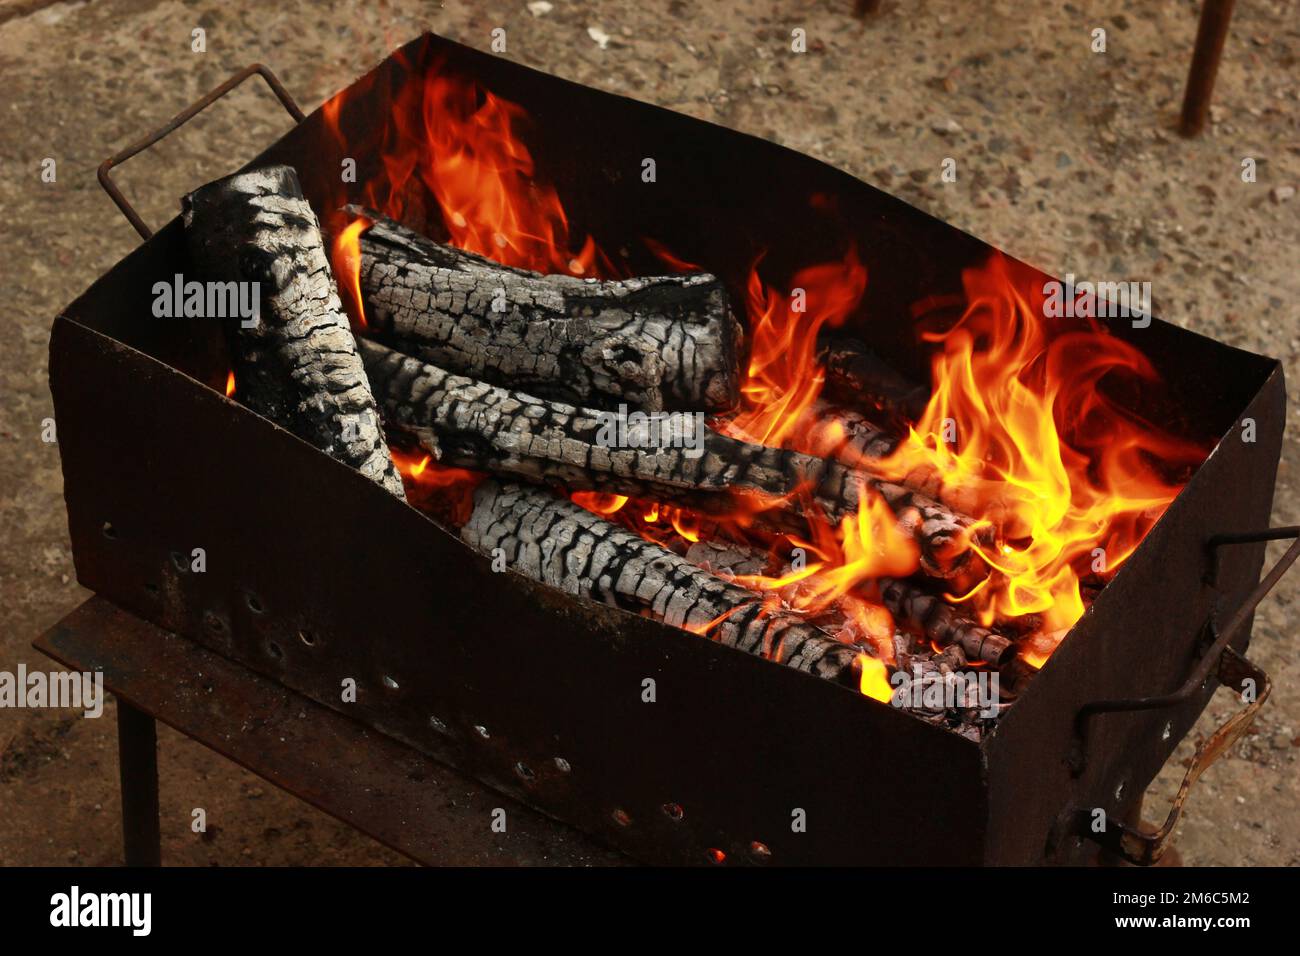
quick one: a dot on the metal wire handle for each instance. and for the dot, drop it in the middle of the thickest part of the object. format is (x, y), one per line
(184, 116)
(1230, 668)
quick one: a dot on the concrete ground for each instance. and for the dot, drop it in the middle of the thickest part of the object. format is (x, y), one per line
(1069, 161)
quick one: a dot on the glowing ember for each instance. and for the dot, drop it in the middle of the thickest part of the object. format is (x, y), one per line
(600, 503)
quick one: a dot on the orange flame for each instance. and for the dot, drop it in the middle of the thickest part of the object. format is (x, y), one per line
(230, 383)
(345, 257)
(866, 546)
(462, 143)
(874, 682)
(1058, 468)
(784, 376)
(1021, 424)
(599, 502)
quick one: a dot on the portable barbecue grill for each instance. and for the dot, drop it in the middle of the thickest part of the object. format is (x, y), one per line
(315, 574)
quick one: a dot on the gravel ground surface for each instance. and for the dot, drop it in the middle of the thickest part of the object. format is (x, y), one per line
(1069, 161)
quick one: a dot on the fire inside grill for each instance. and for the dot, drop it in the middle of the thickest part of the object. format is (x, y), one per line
(738, 467)
(608, 389)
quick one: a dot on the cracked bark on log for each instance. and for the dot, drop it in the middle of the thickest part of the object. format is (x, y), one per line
(560, 544)
(857, 442)
(651, 343)
(298, 364)
(938, 621)
(472, 424)
(856, 376)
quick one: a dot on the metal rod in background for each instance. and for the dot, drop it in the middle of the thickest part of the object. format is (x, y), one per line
(1210, 36)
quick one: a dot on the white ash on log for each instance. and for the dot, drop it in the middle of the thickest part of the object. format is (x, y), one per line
(297, 363)
(663, 342)
(839, 433)
(554, 541)
(938, 621)
(728, 559)
(856, 376)
(471, 424)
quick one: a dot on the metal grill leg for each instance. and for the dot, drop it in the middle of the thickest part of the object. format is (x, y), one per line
(1210, 35)
(137, 751)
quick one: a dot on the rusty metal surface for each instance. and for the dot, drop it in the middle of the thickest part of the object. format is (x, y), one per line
(500, 676)
(385, 789)
(1144, 845)
(348, 581)
(180, 119)
(1212, 659)
(1144, 635)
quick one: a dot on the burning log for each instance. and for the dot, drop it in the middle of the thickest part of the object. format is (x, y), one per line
(938, 621)
(857, 442)
(296, 363)
(667, 342)
(560, 544)
(728, 559)
(854, 373)
(471, 424)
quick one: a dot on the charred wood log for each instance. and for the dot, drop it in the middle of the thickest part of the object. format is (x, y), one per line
(855, 375)
(560, 544)
(472, 424)
(937, 621)
(728, 560)
(296, 363)
(856, 441)
(665, 342)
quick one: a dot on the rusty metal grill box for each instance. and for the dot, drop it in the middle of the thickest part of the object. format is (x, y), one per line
(315, 574)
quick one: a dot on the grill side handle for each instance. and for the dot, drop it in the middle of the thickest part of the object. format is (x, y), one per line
(179, 120)
(1225, 665)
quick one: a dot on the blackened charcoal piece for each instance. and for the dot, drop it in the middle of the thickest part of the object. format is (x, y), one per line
(936, 620)
(654, 343)
(554, 541)
(298, 364)
(471, 424)
(858, 378)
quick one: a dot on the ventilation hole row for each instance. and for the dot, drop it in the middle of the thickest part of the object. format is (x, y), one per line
(759, 852)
